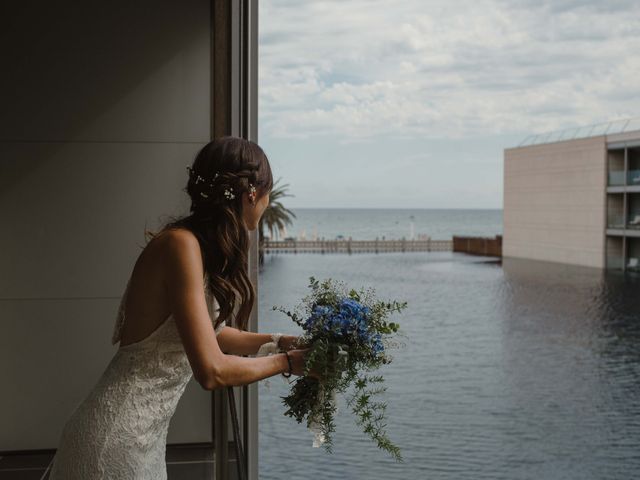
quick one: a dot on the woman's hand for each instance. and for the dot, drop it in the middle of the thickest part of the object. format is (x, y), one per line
(290, 342)
(298, 357)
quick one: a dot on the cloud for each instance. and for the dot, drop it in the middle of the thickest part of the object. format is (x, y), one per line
(367, 69)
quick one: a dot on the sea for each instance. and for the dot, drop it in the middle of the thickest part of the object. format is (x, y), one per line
(369, 224)
(505, 369)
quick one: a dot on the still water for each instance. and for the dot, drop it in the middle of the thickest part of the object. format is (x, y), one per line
(512, 370)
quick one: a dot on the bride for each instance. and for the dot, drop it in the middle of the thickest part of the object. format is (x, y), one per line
(172, 332)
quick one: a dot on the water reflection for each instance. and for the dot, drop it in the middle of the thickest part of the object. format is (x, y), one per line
(518, 369)
(570, 366)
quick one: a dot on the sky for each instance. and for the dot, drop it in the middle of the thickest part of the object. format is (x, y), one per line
(410, 104)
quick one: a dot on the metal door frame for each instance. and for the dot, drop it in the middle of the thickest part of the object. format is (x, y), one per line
(234, 111)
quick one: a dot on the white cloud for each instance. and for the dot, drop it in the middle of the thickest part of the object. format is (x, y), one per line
(440, 69)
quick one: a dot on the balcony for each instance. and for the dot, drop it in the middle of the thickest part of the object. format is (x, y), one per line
(616, 178)
(632, 263)
(614, 262)
(615, 221)
(633, 222)
(633, 178)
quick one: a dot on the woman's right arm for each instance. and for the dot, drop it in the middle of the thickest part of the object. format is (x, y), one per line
(212, 368)
(244, 370)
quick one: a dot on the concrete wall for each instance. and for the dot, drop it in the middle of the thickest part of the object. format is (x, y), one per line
(555, 202)
(630, 136)
(104, 104)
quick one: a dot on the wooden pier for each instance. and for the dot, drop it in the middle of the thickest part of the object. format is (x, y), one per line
(356, 246)
(479, 245)
(471, 245)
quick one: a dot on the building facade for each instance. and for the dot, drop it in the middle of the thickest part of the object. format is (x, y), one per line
(574, 200)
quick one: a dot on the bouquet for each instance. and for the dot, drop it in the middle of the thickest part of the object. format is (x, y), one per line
(348, 336)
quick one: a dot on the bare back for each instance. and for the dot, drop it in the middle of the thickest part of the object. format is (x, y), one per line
(146, 305)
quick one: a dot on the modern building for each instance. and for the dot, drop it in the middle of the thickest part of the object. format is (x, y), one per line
(573, 196)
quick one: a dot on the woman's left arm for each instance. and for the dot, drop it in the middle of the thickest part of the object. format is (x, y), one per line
(239, 342)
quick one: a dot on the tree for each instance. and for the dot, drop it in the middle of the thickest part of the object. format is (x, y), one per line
(275, 216)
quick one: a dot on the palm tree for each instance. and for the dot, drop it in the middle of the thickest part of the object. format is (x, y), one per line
(275, 216)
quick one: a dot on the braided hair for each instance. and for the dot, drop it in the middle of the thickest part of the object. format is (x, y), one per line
(222, 170)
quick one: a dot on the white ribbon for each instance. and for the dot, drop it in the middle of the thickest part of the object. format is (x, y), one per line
(314, 425)
(271, 348)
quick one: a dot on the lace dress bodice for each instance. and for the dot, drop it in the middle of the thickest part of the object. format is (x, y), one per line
(119, 430)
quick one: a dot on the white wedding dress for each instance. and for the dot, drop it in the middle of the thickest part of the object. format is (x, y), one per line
(119, 430)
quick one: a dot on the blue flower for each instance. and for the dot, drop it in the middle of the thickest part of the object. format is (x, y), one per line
(351, 307)
(320, 314)
(364, 336)
(309, 323)
(343, 323)
(322, 310)
(377, 345)
(362, 330)
(331, 322)
(336, 323)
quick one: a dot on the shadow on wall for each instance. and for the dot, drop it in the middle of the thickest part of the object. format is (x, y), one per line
(79, 80)
(104, 103)
(90, 88)
(70, 66)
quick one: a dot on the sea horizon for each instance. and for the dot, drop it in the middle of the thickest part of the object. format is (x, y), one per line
(391, 208)
(368, 223)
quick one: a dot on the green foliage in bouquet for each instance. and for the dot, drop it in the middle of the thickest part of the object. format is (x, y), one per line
(348, 335)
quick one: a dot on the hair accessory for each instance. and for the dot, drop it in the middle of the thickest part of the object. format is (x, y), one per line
(199, 178)
(252, 193)
(228, 193)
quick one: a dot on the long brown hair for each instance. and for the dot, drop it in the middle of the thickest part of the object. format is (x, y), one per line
(224, 168)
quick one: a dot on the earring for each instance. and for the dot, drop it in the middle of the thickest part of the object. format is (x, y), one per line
(252, 194)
